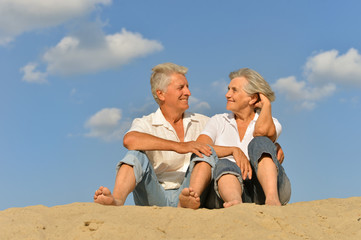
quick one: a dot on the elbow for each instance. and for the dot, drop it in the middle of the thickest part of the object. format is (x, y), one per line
(271, 134)
(259, 132)
(128, 141)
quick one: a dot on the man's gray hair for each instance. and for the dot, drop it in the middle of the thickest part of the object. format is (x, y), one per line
(256, 83)
(160, 78)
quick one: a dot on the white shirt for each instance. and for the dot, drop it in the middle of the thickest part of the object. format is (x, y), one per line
(222, 129)
(169, 166)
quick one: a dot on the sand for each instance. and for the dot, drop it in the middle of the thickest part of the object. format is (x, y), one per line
(322, 219)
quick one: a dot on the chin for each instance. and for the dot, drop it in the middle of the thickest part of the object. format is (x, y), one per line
(185, 107)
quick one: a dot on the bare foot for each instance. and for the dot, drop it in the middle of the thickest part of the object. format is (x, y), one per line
(189, 199)
(273, 202)
(105, 197)
(231, 203)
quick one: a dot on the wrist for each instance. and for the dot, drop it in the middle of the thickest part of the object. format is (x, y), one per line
(235, 150)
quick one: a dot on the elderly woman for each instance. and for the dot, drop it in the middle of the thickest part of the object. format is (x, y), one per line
(248, 169)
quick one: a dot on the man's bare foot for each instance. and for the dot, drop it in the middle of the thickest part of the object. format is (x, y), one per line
(189, 199)
(231, 203)
(105, 197)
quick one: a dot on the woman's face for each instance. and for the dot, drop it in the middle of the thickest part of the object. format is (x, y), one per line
(237, 98)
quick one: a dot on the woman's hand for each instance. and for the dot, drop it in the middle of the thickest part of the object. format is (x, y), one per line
(243, 163)
(262, 101)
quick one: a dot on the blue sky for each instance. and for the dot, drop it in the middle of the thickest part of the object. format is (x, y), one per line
(74, 73)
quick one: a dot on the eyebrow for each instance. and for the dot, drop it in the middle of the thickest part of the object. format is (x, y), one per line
(182, 85)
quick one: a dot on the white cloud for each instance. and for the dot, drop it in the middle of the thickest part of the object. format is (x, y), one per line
(323, 73)
(331, 67)
(32, 76)
(295, 90)
(106, 124)
(302, 92)
(19, 16)
(198, 106)
(75, 55)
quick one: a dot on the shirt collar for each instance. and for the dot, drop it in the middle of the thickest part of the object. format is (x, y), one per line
(229, 117)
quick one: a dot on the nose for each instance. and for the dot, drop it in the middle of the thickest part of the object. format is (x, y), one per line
(228, 94)
(187, 91)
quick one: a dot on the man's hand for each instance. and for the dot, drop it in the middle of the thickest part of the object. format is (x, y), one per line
(280, 153)
(242, 163)
(197, 148)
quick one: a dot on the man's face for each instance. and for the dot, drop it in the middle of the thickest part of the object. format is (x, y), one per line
(177, 94)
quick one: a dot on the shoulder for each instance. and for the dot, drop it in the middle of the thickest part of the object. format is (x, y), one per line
(222, 117)
(219, 120)
(145, 123)
(196, 117)
(145, 119)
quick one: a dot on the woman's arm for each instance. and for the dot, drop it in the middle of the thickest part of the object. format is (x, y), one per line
(264, 125)
(223, 151)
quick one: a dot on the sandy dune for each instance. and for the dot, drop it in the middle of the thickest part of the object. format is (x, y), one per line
(323, 219)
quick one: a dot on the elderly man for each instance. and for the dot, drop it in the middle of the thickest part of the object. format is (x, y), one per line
(157, 168)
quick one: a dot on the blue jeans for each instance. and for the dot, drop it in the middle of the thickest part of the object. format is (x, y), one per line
(148, 190)
(252, 189)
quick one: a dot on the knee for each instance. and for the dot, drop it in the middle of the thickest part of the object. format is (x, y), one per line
(137, 159)
(260, 146)
(211, 160)
(259, 143)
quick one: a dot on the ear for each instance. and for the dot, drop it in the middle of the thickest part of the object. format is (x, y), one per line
(160, 95)
(254, 99)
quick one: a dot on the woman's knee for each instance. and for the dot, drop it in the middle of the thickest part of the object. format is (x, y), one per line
(259, 146)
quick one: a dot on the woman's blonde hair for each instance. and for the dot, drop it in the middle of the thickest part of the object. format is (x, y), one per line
(256, 83)
(160, 78)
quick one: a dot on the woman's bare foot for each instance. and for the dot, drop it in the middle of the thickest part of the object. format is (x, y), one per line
(231, 203)
(105, 197)
(189, 199)
(273, 202)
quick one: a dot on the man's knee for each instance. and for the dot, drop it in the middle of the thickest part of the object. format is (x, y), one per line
(211, 160)
(139, 161)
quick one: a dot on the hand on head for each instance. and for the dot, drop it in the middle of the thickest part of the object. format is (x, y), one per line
(262, 100)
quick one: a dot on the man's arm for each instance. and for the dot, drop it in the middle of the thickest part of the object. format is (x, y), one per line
(264, 125)
(146, 142)
(280, 153)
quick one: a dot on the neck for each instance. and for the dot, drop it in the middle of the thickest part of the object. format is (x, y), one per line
(244, 116)
(171, 115)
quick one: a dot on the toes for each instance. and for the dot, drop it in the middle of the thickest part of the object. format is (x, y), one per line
(185, 192)
(106, 191)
